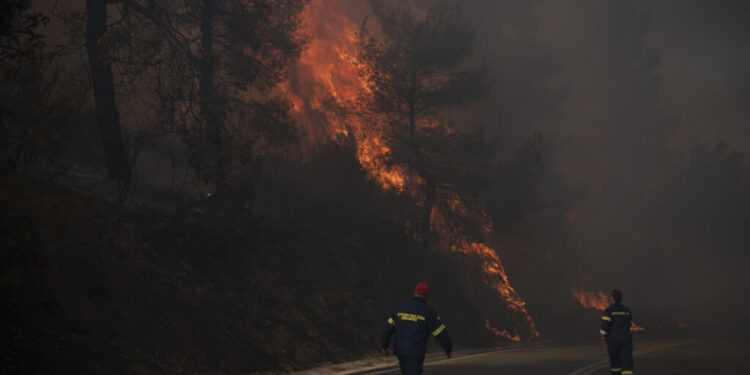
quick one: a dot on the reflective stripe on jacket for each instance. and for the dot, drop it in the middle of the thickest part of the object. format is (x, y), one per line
(411, 325)
(616, 321)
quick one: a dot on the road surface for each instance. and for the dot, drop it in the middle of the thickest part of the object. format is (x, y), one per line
(652, 356)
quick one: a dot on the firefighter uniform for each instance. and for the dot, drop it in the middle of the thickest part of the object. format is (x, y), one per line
(615, 327)
(410, 326)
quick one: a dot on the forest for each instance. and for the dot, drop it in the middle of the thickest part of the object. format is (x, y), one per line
(251, 186)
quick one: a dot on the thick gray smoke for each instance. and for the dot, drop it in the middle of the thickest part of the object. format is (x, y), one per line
(644, 108)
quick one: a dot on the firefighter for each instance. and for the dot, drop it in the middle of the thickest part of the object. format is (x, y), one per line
(411, 325)
(615, 331)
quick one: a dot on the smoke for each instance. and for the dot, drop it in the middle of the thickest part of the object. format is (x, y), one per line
(633, 100)
(641, 193)
(706, 49)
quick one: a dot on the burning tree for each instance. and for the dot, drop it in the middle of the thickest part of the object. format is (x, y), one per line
(393, 92)
(417, 72)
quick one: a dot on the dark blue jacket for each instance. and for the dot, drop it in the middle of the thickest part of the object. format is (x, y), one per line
(410, 325)
(616, 321)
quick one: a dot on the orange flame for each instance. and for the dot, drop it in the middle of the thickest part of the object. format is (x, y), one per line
(598, 301)
(591, 300)
(328, 76)
(501, 333)
(498, 280)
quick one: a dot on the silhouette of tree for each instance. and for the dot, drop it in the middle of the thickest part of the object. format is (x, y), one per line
(219, 62)
(107, 115)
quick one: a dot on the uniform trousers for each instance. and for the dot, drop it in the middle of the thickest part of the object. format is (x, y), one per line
(410, 365)
(620, 351)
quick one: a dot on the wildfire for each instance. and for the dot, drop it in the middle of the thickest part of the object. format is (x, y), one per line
(327, 76)
(498, 280)
(591, 300)
(324, 85)
(501, 333)
(598, 301)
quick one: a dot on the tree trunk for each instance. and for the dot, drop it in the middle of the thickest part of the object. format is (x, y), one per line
(429, 182)
(213, 161)
(429, 204)
(107, 117)
(207, 89)
(413, 114)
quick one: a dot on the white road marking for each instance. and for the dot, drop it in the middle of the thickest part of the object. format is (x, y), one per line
(602, 364)
(586, 370)
(461, 358)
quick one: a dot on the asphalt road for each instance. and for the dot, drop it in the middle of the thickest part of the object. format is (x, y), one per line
(652, 356)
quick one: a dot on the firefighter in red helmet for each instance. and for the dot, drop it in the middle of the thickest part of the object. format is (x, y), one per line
(410, 326)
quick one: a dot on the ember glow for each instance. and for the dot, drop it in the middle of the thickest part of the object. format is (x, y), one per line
(323, 87)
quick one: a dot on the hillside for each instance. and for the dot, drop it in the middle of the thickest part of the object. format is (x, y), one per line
(90, 285)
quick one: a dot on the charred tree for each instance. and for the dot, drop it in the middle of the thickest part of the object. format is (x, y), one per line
(107, 116)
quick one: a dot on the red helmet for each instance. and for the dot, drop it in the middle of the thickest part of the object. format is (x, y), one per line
(422, 288)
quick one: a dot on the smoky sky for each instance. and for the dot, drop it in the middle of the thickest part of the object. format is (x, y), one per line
(634, 97)
(553, 68)
(706, 51)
